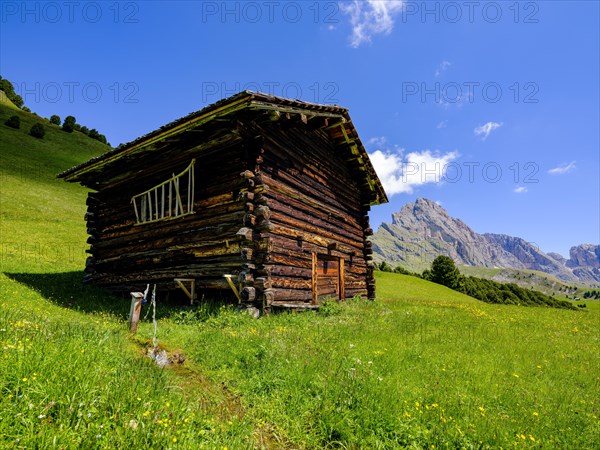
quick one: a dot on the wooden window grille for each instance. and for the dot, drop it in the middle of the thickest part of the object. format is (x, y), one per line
(170, 199)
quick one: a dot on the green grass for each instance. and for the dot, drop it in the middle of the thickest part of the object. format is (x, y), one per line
(4, 100)
(423, 366)
(41, 217)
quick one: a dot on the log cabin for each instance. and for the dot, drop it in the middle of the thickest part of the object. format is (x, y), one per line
(261, 197)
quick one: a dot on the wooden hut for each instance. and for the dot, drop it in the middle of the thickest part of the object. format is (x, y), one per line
(257, 194)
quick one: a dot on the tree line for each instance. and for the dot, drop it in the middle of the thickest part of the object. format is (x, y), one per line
(592, 294)
(443, 271)
(69, 124)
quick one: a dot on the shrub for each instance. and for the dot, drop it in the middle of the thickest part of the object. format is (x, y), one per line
(385, 267)
(37, 131)
(402, 270)
(69, 124)
(94, 134)
(13, 122)
(330, 308)
(54, 119)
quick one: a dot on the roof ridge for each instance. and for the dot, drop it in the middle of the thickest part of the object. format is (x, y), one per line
(240, 96)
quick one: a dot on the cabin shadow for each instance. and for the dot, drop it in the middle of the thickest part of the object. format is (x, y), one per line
(66, 289)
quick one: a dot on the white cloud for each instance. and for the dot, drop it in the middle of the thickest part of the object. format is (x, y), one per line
(377, 141)
(520, 190)
(442, 124)
(442, 68)
(401, 174)
(561, 170)
(485, 129)
(447, 99)
(370, 17)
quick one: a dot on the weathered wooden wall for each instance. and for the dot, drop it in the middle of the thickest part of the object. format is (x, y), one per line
(269, 195)
(311, 204)
(202, 245)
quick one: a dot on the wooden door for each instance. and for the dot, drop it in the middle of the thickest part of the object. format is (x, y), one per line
(327, 278)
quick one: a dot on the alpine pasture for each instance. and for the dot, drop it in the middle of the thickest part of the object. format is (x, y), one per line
(421, 367)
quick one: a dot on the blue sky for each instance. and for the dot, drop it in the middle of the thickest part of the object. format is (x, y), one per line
(489, 108)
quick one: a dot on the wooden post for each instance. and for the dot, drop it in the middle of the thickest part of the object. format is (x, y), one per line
(229, 277)
(314, 279)
(191, 293)
(135, 310)
(342, 280)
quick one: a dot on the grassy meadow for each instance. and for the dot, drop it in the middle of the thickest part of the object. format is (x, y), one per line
(422, 367)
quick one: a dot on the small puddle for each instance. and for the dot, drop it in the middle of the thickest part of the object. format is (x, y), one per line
(162, 358)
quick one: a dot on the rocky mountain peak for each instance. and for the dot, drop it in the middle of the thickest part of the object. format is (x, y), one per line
(584, 255)
(422, 230)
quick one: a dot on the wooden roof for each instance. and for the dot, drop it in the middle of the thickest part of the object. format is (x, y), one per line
(332, 118)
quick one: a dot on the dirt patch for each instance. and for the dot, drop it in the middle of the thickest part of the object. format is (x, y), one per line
(215, 399)
(212, 398)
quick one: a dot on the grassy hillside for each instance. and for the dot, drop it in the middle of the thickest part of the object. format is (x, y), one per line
(40, 216)
(5, 101)
(536, 280)
(423, 366)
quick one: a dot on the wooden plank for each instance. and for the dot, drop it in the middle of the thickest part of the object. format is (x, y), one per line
(192, 174)
(162, 202)
(170, 199)
(292, 294)
(314, 279)
(137, 217)
(178, 202)
(342, 281)
(313, 234)
(149, 206)
(156, 203)
(292, 305)
(291, 283)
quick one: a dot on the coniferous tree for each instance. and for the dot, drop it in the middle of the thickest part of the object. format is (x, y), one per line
(443, 271)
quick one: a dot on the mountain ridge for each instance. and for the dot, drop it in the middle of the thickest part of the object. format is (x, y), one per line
(422, 230)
